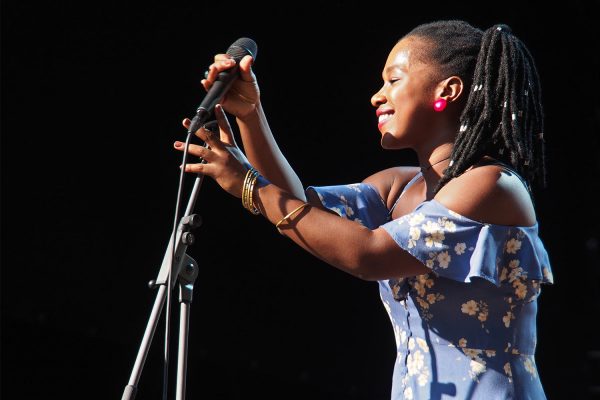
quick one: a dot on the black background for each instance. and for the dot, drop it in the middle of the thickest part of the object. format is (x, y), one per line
(92, 98)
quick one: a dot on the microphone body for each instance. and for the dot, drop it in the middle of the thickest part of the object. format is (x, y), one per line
(239, 49)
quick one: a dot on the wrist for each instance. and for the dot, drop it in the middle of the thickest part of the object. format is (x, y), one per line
(251, 117)
(252, 182)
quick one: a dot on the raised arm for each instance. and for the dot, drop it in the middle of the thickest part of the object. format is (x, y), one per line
(259, 144)
(347, 245)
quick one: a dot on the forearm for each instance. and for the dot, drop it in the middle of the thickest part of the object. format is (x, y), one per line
(313, 228)
(264, 154)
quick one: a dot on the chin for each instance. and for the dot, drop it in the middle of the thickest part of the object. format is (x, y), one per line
(390, 142)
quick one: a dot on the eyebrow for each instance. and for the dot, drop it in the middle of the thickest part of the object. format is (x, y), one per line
(395, 66)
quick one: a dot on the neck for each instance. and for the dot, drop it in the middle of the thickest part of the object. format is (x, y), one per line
(433, 151)
(427, 168)
(433, 165)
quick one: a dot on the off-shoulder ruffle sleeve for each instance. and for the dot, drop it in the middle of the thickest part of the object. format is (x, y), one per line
(358, 202)
(459, 248)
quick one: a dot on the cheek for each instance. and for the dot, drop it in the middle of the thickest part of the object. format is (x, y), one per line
(412, 116)
(406, 102)
(409, 128)
(406, 117)
(413, 108)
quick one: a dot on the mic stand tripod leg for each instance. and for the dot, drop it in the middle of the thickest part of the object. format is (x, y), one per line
(187, 276)
(131, 388)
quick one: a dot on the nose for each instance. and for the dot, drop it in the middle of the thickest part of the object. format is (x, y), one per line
(378, 98)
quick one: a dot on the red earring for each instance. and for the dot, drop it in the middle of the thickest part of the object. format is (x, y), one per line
(440, 104)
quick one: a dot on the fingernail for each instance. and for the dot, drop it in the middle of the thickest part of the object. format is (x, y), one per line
(178, 144)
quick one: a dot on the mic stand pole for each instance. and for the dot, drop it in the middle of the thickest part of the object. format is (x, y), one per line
(187, 276)
(186, 270)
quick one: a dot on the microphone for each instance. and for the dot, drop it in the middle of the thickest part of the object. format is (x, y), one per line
(237, 50)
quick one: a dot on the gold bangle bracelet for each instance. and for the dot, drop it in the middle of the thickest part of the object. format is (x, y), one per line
(251, 206)
(294, 211)
(247, 189)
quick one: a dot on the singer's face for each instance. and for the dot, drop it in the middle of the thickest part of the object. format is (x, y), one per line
(405, 101)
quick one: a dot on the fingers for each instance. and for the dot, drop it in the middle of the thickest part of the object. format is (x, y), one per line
(200, 151)
(205, 169)
(205, 131)
(206, 154)
(246, 73)
(222, 57)
(195, 150)
(226, 134)
(210, 138)
(222, 62)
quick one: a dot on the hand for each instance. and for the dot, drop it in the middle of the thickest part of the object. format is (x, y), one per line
(243, 95)
(224, 161)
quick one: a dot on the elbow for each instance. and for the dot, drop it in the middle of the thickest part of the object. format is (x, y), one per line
(373, 269)
(367, 274)
(370, 262)
(364, 259)
(365, 268)
(354, 267)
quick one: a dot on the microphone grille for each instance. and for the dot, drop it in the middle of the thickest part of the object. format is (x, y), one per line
(242, 47)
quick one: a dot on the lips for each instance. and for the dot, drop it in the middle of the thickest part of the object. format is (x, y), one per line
(383, 115)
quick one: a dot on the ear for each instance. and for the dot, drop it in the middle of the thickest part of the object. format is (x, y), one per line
(450, 89)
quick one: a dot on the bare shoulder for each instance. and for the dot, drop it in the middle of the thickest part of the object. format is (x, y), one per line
(489, 194)
(390, 182)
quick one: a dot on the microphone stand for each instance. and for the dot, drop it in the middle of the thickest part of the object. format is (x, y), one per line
(177, 264)
(185, 269)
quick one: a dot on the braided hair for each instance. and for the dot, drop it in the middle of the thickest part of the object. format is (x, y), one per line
(503, 114)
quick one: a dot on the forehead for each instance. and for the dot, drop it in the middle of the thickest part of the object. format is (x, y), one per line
(408, 53)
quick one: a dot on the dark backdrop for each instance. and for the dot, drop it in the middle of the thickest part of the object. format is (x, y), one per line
(92, 98)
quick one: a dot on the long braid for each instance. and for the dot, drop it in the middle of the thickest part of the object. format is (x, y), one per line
(479, 99)
(503, 114)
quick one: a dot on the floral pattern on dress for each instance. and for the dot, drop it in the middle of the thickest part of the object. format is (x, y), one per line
(473, 314)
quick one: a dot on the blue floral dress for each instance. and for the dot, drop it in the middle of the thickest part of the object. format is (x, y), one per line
(467, 329)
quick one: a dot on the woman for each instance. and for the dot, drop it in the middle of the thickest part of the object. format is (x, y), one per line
(454, 242)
